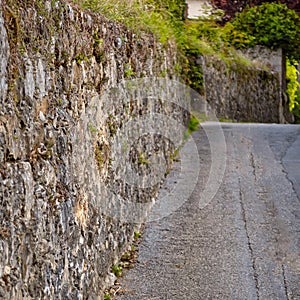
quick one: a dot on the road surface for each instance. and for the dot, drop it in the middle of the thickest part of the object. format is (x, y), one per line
(245, 243)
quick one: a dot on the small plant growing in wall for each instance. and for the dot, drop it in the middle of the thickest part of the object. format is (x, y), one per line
(117, 270)
(142, 159)
(128, 72)
(137, 235)
(174, 155)
(163, 73)
(193, 124)
(80, 57)
(98, 42)
(92, 129)
(129, 258)
(107, 296)
(98, 50)
(99, 157)
(178, 68)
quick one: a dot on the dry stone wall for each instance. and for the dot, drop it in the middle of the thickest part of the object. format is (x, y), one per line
(84, 146)
(246, 93)
(65, 194)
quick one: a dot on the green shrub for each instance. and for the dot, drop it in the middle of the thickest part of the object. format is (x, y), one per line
(273, 25)
(231, 36)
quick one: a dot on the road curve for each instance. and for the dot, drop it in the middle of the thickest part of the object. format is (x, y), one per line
(245, 243)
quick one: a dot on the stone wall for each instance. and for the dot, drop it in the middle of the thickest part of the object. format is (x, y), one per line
(76, 177)
(84, 146)
(246, 93)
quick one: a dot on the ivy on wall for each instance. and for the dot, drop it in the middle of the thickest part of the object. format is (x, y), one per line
(293, 88)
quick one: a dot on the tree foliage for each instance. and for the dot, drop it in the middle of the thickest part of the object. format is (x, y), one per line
(273, 25)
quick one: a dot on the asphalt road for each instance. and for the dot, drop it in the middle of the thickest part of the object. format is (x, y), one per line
(245, 242)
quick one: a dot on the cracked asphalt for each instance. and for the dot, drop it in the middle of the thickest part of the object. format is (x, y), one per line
(245, 243)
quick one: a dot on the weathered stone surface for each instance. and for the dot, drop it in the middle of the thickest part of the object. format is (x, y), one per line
(64, 198)
(244, 93)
